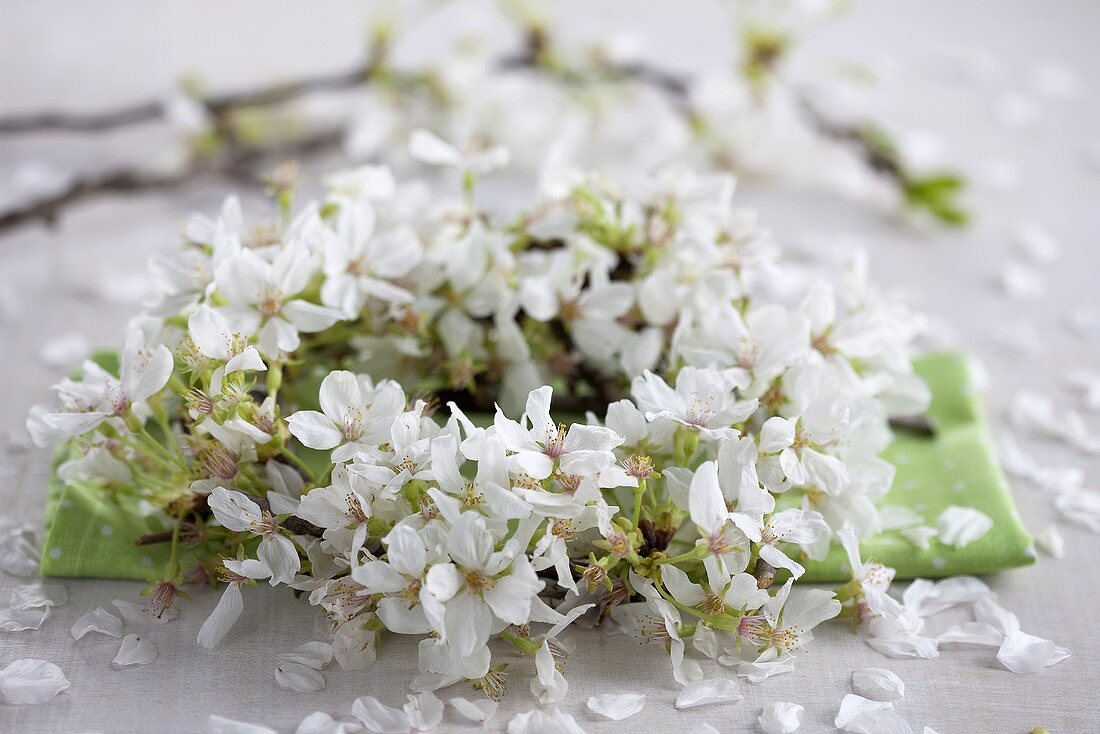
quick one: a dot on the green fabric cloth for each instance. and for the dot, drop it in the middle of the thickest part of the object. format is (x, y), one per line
(87, 535)
(956, 466)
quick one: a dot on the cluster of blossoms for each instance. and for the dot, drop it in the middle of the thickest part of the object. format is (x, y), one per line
(355, 401)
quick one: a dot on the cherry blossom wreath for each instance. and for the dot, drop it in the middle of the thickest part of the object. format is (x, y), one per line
(357, 402)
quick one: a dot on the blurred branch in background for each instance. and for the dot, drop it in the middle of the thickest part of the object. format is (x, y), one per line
(229, 145)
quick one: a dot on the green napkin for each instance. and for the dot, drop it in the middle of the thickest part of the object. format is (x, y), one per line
(956, 466)
(87, 535)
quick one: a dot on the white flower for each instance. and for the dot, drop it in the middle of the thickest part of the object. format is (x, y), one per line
(788, 526)
(401, 576)
(144, 370)
(819, 416)
(261, 298)
(212, 335)
(356, 415)
(343, 503)
(235, 511)
(873, 578)
(361, 261)
(489, 490)
(478, 587)
(787, 620)
(707, 508)
(578, 450)
(429, 148)
(702, 400)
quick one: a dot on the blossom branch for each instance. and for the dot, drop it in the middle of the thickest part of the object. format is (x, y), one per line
(238, 164)
(216, 105)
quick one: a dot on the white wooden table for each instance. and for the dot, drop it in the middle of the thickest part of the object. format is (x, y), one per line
(76, 55)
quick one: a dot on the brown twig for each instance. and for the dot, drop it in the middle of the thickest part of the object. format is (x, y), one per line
(238, 164)
(216, 105)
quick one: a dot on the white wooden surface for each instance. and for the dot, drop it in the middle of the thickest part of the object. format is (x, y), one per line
(81, 55)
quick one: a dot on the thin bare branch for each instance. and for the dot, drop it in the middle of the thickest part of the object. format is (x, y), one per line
(239, 165)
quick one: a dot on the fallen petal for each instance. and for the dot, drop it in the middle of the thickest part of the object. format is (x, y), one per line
(961, 526)
(380, 718)
(1050, 541)
(782, 717)
(853, 706)
(316, 655)
(973, 633)
(31, 682)
(19, 620)
(1025, 654)
(321, 723)
(478, 711)
(862, 716)
(100, 621)
(41, 594)
(711, 690)
(19, 551)
(553, 721)
(221, 725)
(298, 677)
(136, 651)
(616, 706)
(878, 684)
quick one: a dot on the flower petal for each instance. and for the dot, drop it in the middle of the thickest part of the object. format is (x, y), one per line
(478, 711)
(20, 620)
(878, 684)
(100, 621)
(710, 690)
(961, 526)
(31, 682)
(782, 717)
(298, 677)
(380, 718)
(222, 619)
(321, 723)
(135, 651)
(616, 706)
(314, 430)
(39, 594)
(280, 555)
(1025, 654)
(221, 725)
(233, 509)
